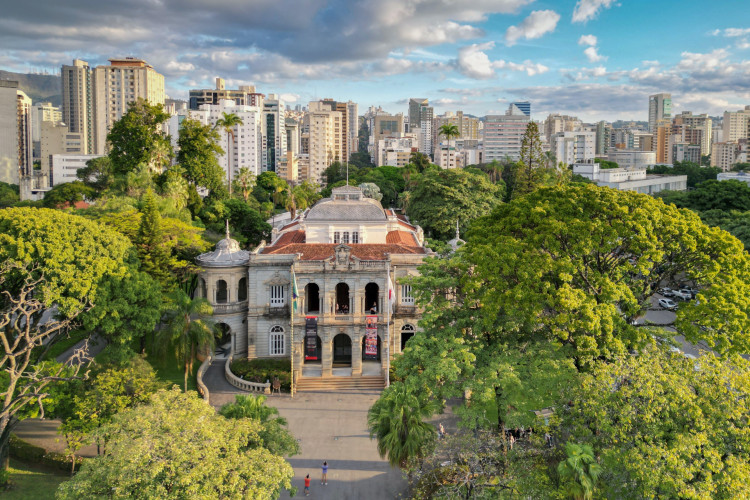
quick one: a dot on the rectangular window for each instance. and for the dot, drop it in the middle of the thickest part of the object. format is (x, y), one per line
(406, 297)
(336, 237)
(345, 239)
(277, 296)
(355, 237)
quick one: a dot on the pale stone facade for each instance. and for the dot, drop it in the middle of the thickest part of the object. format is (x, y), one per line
(347, 255)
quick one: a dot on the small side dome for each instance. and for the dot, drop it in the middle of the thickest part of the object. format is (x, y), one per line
(226, 254)
(457, 241)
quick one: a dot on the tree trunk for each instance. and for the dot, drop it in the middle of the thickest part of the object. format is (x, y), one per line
(5, 447)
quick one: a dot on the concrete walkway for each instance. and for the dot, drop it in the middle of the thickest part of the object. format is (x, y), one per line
(220, 392)
(333, 427)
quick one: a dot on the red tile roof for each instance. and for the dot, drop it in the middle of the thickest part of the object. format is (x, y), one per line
(290, 225)
(290, 237)
(402, 238)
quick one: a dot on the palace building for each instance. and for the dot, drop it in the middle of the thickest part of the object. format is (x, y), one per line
(326, 289)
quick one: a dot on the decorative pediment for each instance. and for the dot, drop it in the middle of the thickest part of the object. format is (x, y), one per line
(277, 279)
(341, 254)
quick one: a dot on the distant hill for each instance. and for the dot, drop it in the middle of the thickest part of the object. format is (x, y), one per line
(41, 88)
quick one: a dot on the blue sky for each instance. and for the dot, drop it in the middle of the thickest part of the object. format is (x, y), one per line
(597, 59)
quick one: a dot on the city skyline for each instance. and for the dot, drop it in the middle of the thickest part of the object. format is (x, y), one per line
(596, 59)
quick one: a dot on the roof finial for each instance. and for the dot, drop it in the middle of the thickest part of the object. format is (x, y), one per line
(457, 234)
(227, 223)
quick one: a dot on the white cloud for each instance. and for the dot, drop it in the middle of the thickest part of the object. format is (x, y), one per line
(733, 32)
(179, 67)
(586, 10)
(530, 68)
(537, 24)
(743, 44)
(593, 56)
(287, 98)
(587, 40)
(474, 62)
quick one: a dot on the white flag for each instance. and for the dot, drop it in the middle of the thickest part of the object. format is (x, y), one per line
(391, 294)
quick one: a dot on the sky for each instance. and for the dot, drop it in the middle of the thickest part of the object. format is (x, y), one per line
(595, 59)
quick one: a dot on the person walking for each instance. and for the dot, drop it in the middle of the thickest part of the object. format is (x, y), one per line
(325, 474)
(307, 485)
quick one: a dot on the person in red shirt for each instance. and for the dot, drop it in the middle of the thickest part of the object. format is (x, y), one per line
(307, 485)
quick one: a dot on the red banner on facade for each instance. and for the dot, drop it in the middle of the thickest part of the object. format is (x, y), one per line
(371, 337)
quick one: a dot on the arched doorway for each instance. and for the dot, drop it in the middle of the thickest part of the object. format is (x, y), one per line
(318, 353)
(342, 350)
(342, 299)
(407, 332)
(312, 297)
(372, 303)
(364, 358)
(223, 338)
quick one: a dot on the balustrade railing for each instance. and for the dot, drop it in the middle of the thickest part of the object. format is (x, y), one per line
(231, 307)
(244, 385)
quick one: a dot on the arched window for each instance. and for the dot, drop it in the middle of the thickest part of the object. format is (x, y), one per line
(407, 332)
(201, 292)
(276, 342)
(242, 290)
(372, 305)
(313, 298)
(342, 299)
(221, 292)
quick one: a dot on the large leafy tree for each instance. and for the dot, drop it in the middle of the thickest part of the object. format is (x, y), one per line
(49, 261)
(9, 194)
(188, 330)
(579, 471)
(665, 426)
(228, 122)
(68, 194)
(735, 222)
(177, 446)
(273, 434)
(137, 138)
(97, 174)
(443, 197)
(579, 264)
(198, 150)
(695, 173)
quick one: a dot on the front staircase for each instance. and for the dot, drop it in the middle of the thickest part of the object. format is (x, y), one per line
(335, 384)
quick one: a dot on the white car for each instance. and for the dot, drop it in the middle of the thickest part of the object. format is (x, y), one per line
(682, 294)
(667, 304)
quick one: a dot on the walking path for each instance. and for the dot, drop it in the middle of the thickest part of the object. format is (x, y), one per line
(333, 427)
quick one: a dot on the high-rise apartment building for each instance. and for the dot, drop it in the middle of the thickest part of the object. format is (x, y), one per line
(348, 112)
(724, 155)
(695, 129)
(660, 141)
(244, 96)
(78, 102)
(321, 140)
(274, 132)
(12, 133)
(116, 86)
(421, 115)
(659, 108)
(352, 113)
(468, 127)
(603, 134)
(735, 125)
(25, 144)
(502, 136)
(43, 112)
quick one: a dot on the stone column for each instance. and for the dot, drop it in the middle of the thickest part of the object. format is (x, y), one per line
(326, 342)
(356, 354)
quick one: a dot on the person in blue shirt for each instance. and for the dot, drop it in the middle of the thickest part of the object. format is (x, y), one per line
(325, 474)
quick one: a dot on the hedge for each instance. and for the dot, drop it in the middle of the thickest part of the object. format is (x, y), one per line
(260, 370)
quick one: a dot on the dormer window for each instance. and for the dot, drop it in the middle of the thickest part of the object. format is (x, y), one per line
(345, 239)
(355, 236)
(336, 237)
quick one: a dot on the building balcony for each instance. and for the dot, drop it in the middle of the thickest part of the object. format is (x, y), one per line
(230, 308)
(405, 309)
(278, 310)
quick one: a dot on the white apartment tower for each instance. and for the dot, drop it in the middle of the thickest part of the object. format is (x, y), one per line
(735, 125)
(324, 140)
(116, 86)
(502, 136)
(573, 147)
(78, 101)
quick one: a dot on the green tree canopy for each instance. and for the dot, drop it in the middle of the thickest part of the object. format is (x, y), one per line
(443, 197)
(733, 221)
(198, 155)
(695, 173)
(68, 194)
(97, 174)
(712, 195)
(9, 194)
(274, 435)
(149, 240)
(530, 173)
(664, 425)
(137, 139)
(177, 446)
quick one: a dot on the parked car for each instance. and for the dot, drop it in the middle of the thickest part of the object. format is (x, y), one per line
(666, 292)
(682, 294)
(692, 291)
(668, 304)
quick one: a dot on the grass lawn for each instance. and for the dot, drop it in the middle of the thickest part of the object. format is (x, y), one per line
(170, 372)
(32, 482)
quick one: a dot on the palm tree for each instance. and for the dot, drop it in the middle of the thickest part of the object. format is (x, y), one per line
(579, 471)
(396, 420)
(273, 434)
(228, 121)
(245, 182)
(188, 329)
(449, 131)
